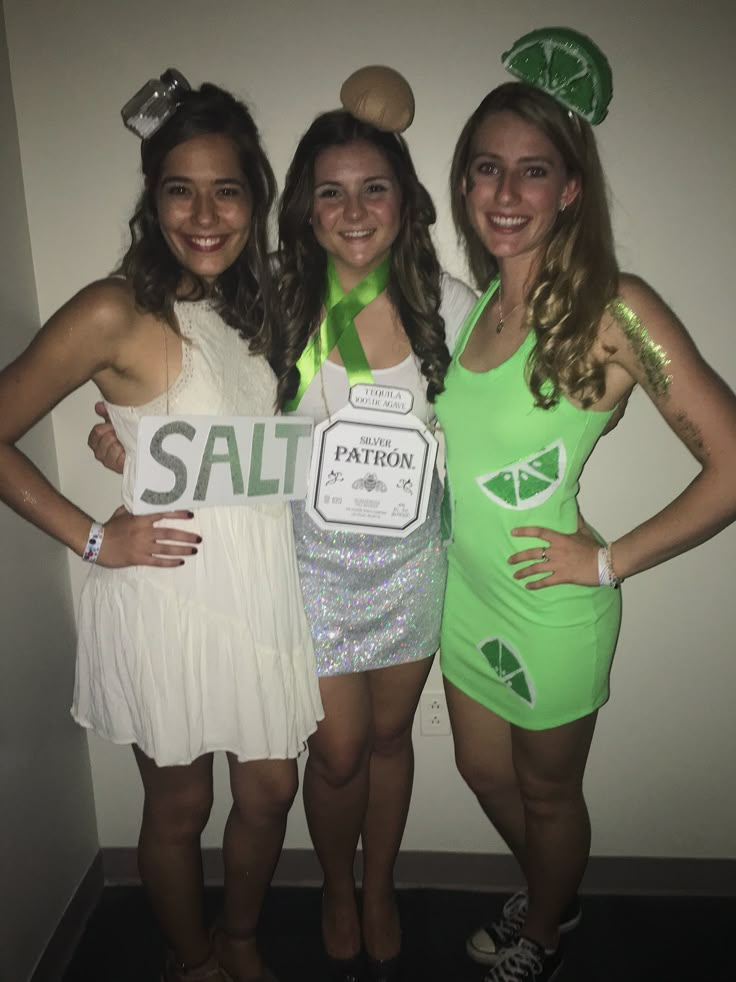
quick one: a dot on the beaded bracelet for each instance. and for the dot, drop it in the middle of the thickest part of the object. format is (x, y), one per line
(606, 574)
(94, 541)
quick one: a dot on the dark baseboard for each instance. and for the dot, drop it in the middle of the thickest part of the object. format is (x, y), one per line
(70, 928)
(608, 875)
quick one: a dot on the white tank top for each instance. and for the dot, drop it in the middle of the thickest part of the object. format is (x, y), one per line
(329, 389)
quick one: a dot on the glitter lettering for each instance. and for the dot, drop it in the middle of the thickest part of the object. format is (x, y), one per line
(292, 434)
(256, 483)
(231, 457)
(170, 461)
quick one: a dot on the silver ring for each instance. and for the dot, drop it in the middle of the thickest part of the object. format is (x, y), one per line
(544, 555)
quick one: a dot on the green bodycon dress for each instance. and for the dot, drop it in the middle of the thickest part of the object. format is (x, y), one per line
(538, 658)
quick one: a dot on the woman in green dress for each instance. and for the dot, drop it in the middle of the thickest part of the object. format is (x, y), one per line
(556, 342)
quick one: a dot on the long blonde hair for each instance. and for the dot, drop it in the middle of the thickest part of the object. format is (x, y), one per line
(578, 275)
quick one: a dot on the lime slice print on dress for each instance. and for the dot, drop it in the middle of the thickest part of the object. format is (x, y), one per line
(566, 65)
(529, 482)
(509, 667)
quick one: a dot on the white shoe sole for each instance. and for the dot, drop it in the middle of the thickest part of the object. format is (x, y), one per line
(482, 956)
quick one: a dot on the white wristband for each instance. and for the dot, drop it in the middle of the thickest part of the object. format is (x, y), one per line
(606, 575)
(94, 541)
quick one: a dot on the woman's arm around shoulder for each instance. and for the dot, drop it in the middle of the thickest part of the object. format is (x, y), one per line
(457, 301)
(86, 339)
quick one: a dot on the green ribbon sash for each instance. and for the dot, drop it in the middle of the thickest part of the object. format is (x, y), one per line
(338, 330)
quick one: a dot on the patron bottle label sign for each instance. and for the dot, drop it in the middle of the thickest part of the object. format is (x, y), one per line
(372, 467)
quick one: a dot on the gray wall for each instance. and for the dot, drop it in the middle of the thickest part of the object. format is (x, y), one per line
(48, 836)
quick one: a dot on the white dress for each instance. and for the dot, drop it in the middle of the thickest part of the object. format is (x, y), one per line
(215, 654)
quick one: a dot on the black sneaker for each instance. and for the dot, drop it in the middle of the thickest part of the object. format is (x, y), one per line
(484, 945)
(525, 961)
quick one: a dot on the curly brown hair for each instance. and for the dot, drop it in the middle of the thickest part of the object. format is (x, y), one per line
(414, 273)
(578, 274)
(243, 293)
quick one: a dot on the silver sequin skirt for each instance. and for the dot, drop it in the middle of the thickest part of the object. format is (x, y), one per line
(371, 600)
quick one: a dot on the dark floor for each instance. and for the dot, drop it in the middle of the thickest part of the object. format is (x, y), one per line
(621, 939)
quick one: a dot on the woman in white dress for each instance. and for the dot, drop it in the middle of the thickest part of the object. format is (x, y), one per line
(182, 655)
(352, 203)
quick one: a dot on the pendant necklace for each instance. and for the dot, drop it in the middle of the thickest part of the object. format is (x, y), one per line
(502, 317)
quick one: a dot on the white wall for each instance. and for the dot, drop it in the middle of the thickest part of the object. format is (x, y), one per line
(661, 775)
(47, 820)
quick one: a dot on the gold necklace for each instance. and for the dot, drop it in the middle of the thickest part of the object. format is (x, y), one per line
(502, 318)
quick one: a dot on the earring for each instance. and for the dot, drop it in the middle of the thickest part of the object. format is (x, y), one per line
(563, 205)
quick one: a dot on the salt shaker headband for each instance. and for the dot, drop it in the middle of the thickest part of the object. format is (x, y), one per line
(154, 103)
(566, 65)
(380, 96)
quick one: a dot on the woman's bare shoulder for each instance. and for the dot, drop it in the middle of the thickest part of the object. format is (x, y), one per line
(640, 297)
(109, 303)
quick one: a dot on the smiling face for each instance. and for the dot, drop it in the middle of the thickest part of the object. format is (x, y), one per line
(204, 205)
(356, 208)
(515, 187)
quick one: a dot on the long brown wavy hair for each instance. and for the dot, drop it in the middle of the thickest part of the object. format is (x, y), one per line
(578, 274)
(414, 272)
(243, 294)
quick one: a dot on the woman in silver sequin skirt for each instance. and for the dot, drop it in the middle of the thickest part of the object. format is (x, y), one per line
(374, 603)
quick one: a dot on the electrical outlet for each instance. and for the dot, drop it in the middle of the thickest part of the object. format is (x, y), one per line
(433, 718)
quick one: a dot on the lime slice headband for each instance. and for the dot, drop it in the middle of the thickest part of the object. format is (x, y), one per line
(566, 65)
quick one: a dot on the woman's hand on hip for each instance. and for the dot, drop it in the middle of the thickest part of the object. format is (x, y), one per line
(564, 558)
(136, 540)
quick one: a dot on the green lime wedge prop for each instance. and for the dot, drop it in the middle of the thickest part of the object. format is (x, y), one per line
(566, 65)
(507, 664)
(529, 482)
